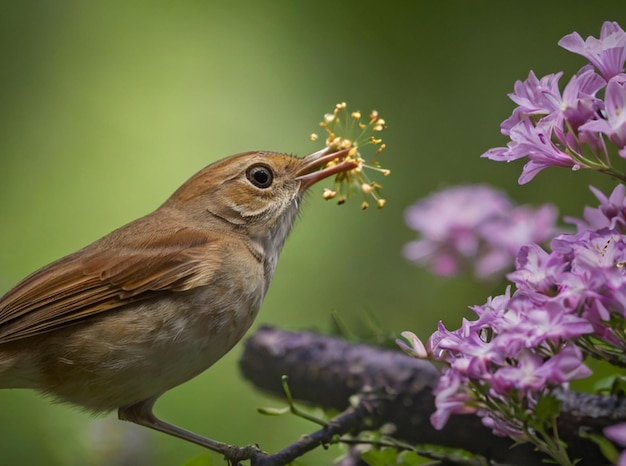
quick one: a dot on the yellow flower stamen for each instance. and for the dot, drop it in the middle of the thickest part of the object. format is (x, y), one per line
(346, 130)
(329, 193)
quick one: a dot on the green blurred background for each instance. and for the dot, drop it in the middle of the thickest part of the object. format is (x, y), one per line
(107, 107)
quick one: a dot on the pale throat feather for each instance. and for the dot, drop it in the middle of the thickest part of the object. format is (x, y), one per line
(271, 244)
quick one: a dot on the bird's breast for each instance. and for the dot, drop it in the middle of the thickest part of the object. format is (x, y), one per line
(142, 349)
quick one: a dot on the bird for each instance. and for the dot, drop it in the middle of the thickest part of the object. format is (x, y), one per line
(156, 302)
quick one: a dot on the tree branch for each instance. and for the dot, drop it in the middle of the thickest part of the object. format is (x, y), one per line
(326, 372)
(350, 420)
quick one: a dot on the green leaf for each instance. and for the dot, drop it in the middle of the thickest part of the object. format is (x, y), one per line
(606, 446)
(202, 460)
(547, 409)
(274, 411)
(410, 458)
(612, 385)
(382, 457)
(391, 456)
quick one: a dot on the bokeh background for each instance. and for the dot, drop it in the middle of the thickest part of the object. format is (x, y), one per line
(107, 107)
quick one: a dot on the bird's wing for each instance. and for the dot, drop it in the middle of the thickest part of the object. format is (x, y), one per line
(104, 276)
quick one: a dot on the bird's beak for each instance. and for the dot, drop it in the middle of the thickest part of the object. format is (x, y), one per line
(309, 173)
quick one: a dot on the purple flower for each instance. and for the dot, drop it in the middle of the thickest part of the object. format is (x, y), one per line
(607, 54)
(534, 97)
(502, 425)
(512, 352)
(579, 102)
(594, 251)
(541, 99)
(569, 129)
(493, 310)
(614, 126)
(412, 345)
(525, 344)
(524, 376)
(534, 271)
(610, 214)
(566, 365)
(534, 142)
(450, 398)
(523, 225)
(474, 225)
(583, 275)
(532, 373)
(447, 222)
(551, 323)
(569, 300)
(617, 433)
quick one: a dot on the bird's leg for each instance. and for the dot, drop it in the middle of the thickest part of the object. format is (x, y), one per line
(141, 414)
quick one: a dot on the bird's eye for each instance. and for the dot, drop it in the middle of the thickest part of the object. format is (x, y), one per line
(260, 176)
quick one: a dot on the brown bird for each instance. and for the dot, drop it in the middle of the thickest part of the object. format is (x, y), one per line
(158, 301)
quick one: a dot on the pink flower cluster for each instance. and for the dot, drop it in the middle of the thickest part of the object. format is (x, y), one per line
(570, 128)
(564, 303)
(526, 343)
(474, 227)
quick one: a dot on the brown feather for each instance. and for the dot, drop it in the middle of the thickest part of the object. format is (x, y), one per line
(101, 278)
